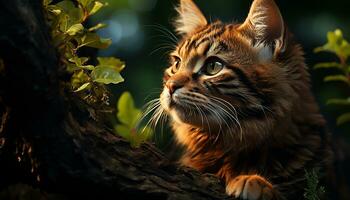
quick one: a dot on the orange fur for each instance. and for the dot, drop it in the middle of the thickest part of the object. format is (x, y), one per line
(256, 115)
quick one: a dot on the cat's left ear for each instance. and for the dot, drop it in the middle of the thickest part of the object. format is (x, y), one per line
(266, 27)
(189, 18)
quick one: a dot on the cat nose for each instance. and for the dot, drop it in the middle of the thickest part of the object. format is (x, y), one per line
(173, 85)
(177, 81)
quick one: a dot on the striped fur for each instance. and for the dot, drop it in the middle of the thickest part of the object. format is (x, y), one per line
(255, 123)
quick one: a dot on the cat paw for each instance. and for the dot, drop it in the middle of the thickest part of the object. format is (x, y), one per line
(250, 187)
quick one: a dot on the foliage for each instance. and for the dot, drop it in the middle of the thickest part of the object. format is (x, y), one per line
(129, 116)
(313, 191)
(69, 35)
(337, 45)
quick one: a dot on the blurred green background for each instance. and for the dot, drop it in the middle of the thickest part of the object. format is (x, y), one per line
(137, 30)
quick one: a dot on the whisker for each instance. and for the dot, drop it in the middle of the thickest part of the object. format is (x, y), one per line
(155, 91)
(154, 106)
(200, 113)
(219, 133)
(162, 125)
(165, 31)
(227, 105)
(219, 118)
(154, 118)
(161, 48)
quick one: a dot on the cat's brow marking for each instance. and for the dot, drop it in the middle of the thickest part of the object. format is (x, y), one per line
(199, 65)
(201, 51)
(203, 48)
(207, 49)
(214, 49)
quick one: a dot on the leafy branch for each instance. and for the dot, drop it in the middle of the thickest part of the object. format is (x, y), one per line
(69, 35)
(339, 46)
(87, 80)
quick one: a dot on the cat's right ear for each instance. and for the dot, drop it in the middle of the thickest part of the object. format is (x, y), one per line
(189, 18)
(265, 26)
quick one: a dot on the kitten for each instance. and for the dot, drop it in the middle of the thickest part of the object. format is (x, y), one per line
(240, 102)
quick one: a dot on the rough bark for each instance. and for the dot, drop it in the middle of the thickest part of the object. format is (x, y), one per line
(44, 145)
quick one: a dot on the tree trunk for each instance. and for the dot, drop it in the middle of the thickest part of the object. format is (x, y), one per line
(44, 145)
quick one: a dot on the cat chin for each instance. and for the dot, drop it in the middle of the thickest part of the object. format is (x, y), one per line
(183, 117)
(180, 116)
(165, 101)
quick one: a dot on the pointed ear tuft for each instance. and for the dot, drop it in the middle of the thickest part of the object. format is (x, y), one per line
(189, 17)
(265, 24)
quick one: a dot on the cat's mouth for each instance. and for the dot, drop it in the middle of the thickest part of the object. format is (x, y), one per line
(186, 109)
(179, 100)
(171, 102)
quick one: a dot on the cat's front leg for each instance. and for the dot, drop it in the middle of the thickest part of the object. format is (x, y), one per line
(251, 187)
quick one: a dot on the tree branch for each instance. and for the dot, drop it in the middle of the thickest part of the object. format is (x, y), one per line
(47, 147)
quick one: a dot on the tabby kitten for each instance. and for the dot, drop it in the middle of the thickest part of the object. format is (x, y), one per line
(240, 103)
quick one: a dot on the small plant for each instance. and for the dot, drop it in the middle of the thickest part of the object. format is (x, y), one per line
(129, 116)
(337, 45)
(313, 191)
(69, 35)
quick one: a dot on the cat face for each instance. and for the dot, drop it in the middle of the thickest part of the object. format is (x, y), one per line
(221, 72)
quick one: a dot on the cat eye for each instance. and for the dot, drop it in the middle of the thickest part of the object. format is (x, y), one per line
(176, 65)
(213, 66)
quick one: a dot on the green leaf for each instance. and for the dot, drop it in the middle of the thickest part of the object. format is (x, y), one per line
(111, 62)
(97, 6)
(123, 131)
(79, 61)
(130, 134)
(336, 44)
(46, 2)
(66, 6)
(87, 67)
(340, 78)
(83, 87)
(128, 114)
(328, 65)
(106, 75)
(145, 133)
(78, 79)
(97, 27)
(54, 9)
(71, 14)
(71, 68)
(138, 138)
(85, 3)
(345, 102)
(344, 118)
(63, 22)
(93, 40)
(75, 29)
